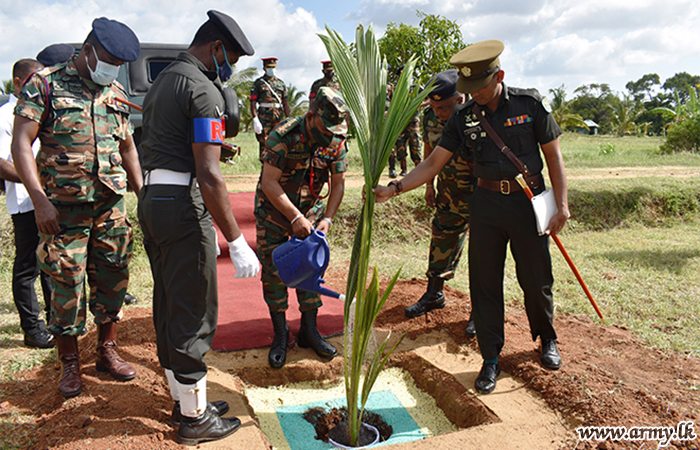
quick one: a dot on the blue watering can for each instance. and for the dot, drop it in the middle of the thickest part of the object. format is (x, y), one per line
(302, 263)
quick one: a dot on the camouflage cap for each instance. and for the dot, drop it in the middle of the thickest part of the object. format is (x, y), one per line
(477, 64)
(55, 54)
(332, 110)
(445, 85)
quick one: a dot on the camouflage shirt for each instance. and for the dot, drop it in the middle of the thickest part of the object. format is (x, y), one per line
(432, 127)
(297, 155)
(79, 133)
(263, 88)
(321, 82)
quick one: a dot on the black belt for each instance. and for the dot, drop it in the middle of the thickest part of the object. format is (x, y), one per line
(507, 186)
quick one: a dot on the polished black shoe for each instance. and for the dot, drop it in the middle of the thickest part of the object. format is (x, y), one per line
(219, 408)
(470, 332)
(130, 299)
(486, 381)
(392, 173)
(550, 354)
(278, 349)
(403, 173)
(40, 339)
(206, 428)
(433, 298)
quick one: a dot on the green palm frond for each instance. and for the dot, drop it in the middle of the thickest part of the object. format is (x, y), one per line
(362, 75)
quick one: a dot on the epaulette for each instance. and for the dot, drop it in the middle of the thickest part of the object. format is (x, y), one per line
(287, 125)
(534, 93)
(468, 104)
(46, 71)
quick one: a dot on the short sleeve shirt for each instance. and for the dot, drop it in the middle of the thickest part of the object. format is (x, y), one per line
(184, 95)
(81, 125)
(293, 151)
(523, 122)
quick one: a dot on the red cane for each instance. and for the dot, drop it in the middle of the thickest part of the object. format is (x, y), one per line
(527, 190)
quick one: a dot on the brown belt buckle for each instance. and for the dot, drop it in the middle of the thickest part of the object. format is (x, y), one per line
(505, 187)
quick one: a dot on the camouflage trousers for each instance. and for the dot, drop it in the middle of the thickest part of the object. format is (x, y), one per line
(269, 118)
(269, 237)
(411, 138)
(92, 249)
(451, 220)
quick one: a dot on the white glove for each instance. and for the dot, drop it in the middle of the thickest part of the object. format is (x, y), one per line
(244, 259)
(257, 125)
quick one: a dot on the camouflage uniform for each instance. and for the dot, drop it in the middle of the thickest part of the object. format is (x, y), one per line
(409, 137)
(271, 91)
(455, 184)
(80, 169)
(290, 149)
(321, 82)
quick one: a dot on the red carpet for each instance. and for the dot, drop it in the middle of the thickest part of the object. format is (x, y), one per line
(244, 320)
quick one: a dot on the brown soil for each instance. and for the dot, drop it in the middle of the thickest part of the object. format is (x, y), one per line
(609, 377)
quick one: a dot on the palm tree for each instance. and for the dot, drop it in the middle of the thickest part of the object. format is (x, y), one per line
(298, 103)
(561, 110)
(241, 82)
(624, 113)
(363, 81)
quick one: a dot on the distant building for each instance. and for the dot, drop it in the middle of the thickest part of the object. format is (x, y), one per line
(592, 128)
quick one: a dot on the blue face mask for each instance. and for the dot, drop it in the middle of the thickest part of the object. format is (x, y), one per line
(225, 71)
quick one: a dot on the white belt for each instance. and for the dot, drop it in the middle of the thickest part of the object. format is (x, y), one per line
(270, 105)
(165, 176)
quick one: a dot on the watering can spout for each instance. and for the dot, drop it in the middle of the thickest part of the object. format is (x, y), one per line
(302, 263)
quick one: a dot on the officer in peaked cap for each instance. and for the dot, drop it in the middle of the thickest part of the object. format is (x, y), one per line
(455, 185)
(182, 138)
(55, 54)
(501, 213)
(328, 80)
(268, 101)
(69, 195)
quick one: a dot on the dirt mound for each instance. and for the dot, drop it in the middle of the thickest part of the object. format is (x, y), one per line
(609, 378)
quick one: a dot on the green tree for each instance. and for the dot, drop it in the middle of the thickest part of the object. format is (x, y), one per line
(298, 101)
(433, 43)
(591, 102)
(561, 110)
(625, 112)
(682, 83)
(642, 86)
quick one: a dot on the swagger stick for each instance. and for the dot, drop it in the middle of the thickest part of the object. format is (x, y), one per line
(521, 181)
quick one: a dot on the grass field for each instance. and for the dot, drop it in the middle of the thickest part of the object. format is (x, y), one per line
(634, 239)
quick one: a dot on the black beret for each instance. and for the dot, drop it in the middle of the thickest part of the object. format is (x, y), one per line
(117, 39)
(232, 31)
(55, 54)
(445, 85)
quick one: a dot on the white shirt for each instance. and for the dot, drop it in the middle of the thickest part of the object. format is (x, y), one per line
(17, 197)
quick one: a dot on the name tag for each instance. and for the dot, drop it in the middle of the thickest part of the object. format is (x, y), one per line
(208, 130)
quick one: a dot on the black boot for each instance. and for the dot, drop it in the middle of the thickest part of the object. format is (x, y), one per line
(278, 350)
(432, 299)
(470, 332)
(392, 167)
(310, 337)
(403, 168)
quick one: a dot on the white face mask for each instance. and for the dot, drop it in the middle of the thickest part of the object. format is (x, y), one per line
(104, 73)
(270, 72)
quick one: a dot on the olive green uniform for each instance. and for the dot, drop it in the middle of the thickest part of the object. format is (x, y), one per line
(270, 93)
(293, 151)
(80, 168)
(455, 185)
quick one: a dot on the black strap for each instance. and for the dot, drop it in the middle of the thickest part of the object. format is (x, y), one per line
(499, 142)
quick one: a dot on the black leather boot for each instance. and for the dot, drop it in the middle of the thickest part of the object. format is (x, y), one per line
(470, 332)
(392, 167)
(278, 350)
(310, 337)
(206, 428)
(403, 168)
(432, 299)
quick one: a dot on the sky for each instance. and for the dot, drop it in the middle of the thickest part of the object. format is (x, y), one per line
(548, 43)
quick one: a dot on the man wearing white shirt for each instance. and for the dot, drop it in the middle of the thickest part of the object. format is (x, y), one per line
(25, 270)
